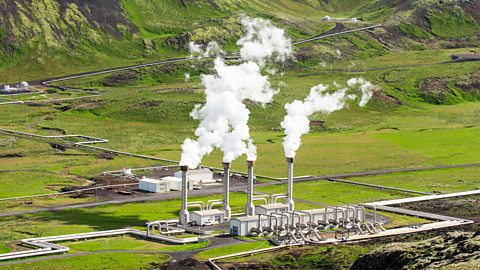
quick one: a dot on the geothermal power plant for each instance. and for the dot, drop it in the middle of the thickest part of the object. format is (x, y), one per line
(272, 217)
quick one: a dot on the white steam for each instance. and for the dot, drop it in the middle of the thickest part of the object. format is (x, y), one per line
(224, 116)
(296, 122)
(212, 49)
(263, 40)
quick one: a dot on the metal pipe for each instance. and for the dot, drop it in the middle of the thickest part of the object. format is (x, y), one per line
(290, 202)
(339, 208)
(212, 201)
(279, 197)
(293, 214)
(184, 214)
(259, 222)
(198, 202)
(309, 216)
(226, 190)
(195, 204)
(250, 207)
(265, 200)
(215, 203)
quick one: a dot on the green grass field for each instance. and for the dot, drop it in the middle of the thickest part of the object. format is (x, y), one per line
(97, 261)
(147, 112)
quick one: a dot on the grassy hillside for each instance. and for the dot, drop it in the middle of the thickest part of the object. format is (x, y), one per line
(75, 36)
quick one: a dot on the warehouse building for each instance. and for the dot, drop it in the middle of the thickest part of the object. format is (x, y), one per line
(198, 176)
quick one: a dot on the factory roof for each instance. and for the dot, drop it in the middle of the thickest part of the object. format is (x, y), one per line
(249, 218)
(273, 206)
(172, 179)
(150, 180)
(208, 212)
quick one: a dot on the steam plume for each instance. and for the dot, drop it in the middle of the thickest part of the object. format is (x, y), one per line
(296, 122)
(224, 116)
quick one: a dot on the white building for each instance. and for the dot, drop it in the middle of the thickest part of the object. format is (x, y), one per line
(327, 18)
(153, 185)
(175, 183)
(198, 176)
(208, 217)
(271, 208)
(24, 86)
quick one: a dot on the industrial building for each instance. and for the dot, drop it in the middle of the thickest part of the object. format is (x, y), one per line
(22, 87)
(202, 175)
(165, 184)
(153, 185)
(207, 217)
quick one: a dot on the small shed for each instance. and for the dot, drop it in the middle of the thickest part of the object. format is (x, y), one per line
(153, 185)
(327, 18)
(198, 176)
(208, 217)
(271, 208)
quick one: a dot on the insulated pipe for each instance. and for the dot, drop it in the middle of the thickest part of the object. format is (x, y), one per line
(274, 196)
(198, 202)
(275, 199)
(326, 214)
(259, 222)
(310, 222)
(184, 215)
(265, 200)
(290, 203)
(287, 217)
(250, 207)
(339, 208)
(195, 204)
(213, 204)
(226, 190)
(361, 209)
(212, 201)
(293, 214)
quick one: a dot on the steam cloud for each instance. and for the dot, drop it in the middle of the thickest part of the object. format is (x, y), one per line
(296, 122)
(224, 116)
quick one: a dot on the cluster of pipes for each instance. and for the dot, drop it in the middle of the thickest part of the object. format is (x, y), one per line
(249, 207)
(288, 227)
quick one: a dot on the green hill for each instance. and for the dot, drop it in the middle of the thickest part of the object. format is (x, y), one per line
(74, 36)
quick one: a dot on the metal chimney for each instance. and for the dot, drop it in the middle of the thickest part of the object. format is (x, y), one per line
(226, 190)
(184, 215)
(250, 207)
(290, 202)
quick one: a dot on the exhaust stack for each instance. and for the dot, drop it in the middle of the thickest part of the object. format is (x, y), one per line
(226, 190)
(184, 215)
(290, 202)
(250, 207)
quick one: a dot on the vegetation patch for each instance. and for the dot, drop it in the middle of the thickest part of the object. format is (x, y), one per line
(413, 31)
(452, 22)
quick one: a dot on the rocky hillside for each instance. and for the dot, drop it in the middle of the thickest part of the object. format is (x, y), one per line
(456, 250)
(78, 35)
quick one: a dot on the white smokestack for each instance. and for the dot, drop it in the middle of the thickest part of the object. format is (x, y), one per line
(296, 122)
(250, 207)
(224, 117)
(184, 214)
(226, 190)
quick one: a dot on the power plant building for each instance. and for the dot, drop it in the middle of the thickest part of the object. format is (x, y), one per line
(198, 176)
(271, 208)
(153, 185)
(207, 217)
(165, 184)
